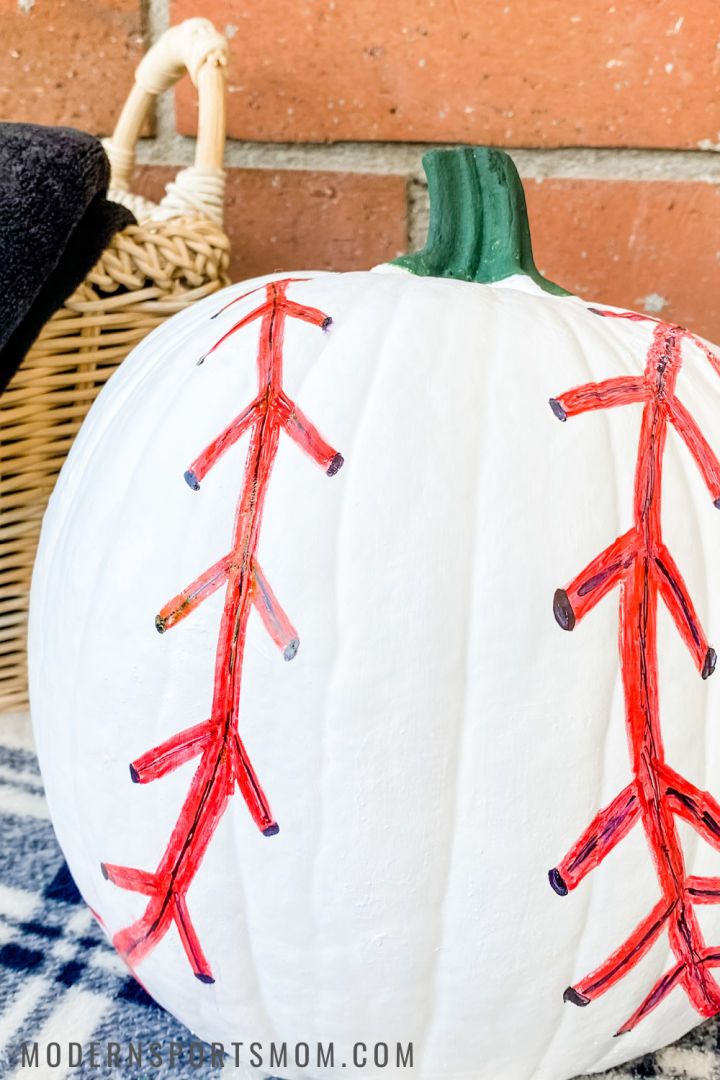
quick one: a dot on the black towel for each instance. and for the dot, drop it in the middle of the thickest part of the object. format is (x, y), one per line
(54, 224)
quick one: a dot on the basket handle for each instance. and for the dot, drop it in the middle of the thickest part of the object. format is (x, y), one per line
(194, 46)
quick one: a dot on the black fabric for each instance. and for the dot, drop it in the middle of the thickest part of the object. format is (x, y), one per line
(54, 224)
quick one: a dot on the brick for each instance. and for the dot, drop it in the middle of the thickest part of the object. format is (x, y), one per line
(507, 72)
(68, 61)
(642, 245)
(650, 246)
(294, 220)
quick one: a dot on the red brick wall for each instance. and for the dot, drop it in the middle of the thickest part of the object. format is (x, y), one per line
(612, 110)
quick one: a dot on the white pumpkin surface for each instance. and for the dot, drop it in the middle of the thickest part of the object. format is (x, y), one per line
(438, 743)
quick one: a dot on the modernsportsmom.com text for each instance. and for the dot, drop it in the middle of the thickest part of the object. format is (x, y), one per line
(198, 1055)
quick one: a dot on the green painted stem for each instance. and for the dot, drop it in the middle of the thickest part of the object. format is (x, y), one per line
(479, 227)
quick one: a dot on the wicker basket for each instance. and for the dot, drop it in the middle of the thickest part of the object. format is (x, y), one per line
(177, 254)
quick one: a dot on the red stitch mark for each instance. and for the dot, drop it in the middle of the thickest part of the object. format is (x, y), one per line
(224, 762)
(642, 566)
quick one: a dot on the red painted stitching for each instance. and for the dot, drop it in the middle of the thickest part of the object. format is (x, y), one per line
(224, 762)
(643, 568)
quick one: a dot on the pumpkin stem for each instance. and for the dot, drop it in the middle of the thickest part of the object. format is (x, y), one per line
(479, 227)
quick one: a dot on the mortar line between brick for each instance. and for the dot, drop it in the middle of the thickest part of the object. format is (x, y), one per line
(404, 158)
(156, 22)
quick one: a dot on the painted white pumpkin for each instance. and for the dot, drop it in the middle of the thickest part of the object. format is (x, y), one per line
(438, 744)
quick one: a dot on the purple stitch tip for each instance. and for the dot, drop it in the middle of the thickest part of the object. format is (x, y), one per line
(335, 465)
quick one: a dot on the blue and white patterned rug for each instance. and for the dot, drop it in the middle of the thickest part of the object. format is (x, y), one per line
(60, 981)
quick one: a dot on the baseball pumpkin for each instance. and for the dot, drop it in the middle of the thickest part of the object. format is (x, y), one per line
(320, 757)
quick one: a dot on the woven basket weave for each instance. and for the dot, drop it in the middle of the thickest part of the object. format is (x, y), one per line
(177, 254)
